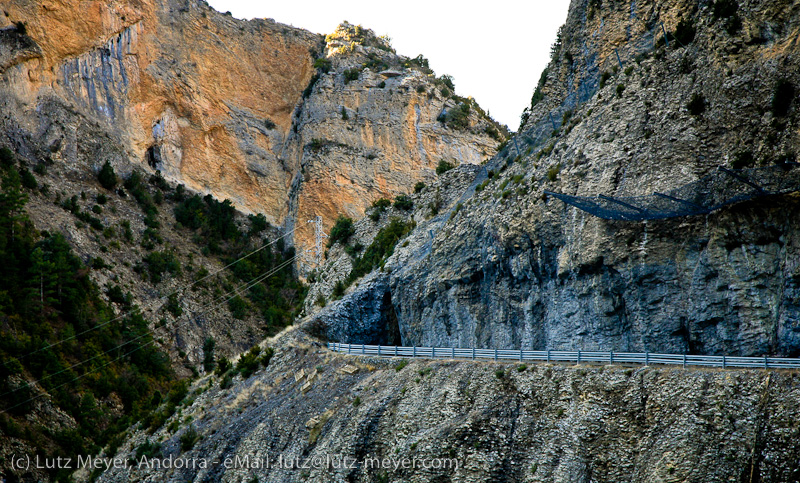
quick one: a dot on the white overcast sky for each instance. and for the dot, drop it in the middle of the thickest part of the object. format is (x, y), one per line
(495, 52)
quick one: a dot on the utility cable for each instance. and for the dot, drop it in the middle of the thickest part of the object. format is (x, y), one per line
(163, 297)
(234, 293)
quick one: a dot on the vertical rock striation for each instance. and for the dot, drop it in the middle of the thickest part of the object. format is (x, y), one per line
(226, 106)
(515, 268)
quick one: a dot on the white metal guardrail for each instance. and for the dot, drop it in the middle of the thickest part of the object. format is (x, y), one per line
(646, 358)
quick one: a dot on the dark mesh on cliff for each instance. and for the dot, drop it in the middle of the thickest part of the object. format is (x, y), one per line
(720, 188)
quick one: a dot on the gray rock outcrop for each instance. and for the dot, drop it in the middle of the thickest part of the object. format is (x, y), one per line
(516, 269)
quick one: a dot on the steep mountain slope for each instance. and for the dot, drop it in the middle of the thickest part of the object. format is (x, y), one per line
(312, 415)
(197, 94)
(119, 118)
(515, 268)
(109, 297)
(480, 257)
(251, 111)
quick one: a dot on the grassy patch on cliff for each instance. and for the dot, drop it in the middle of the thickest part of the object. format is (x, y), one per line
(381, 248)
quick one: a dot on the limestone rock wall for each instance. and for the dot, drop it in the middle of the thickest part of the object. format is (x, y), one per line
(175, 85)
(515, 268)
(375, 136)
(224, 106)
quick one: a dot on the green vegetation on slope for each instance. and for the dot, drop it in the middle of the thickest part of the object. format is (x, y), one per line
(279, 297)
(107, 374)
(381, 248)
(46, 296)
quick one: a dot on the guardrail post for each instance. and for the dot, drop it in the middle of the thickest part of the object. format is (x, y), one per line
(379, 350)
(611, 357)
(349, 348)
(579, 357)
(723, 362)
(414, 351)
(495, 354)
(433, 352)
(548, 355)
(647, 358)
(452, 353)
(684, 361)
(395, 351)
(473, 353)
(363, 350)
(766, 364)
(520, 355)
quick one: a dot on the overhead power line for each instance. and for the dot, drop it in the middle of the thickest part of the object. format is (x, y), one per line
(163, 297)
(235, 292)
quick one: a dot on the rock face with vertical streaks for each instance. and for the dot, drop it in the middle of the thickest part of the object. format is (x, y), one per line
(176, 86)
(228, 107)
(515, 268)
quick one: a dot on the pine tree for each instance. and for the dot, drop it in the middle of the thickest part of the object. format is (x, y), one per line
(12, 203)
(208, 354)
(6, 158)
(43, 279)
(107, 176)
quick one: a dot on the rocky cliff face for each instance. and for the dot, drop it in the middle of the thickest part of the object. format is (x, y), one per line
(253, 111)
(515, 268)
(228, 107)
(156, 85)
(177, 86)
(492, 262)
(268, 116)
(497, 422)
(373, 125)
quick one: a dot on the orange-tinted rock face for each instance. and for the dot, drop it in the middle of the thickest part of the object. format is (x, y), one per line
(201, 96)
(387, 140)
(217, 104)
(377, 135)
